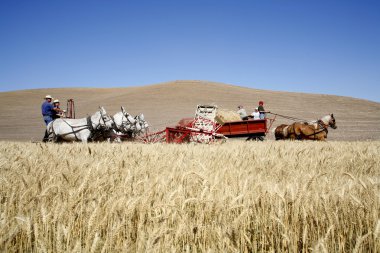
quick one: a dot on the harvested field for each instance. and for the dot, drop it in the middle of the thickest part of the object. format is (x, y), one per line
(232, 197)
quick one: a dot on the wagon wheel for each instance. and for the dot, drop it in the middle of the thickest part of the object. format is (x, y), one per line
(219, 140)
(178, 137)
(255, 138)
(152, 137)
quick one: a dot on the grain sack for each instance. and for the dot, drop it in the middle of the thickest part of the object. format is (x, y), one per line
(223, 116)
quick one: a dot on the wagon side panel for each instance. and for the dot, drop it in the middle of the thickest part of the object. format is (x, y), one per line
(244, 128)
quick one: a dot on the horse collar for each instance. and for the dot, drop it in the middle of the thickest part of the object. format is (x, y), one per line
(322, 124)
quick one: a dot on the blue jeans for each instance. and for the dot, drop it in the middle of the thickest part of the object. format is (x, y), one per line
(48, 119)
(262, 115)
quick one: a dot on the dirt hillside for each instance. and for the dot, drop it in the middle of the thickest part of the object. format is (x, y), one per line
(166, 103)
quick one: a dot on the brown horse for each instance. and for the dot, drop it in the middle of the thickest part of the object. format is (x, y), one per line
(281, 132)
(317, 130)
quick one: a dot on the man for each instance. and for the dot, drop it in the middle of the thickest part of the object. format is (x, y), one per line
(243, 114)
(57, 112)
(47, 113)
(256, 114)
(261, 110)
(47, 109)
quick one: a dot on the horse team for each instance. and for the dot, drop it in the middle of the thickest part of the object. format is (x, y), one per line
(315, 130)
(97, 127)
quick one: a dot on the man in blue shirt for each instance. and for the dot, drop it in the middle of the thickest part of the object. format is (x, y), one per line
(47, 112)
(47, 109)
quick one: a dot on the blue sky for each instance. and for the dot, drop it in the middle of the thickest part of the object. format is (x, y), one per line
(329, 47)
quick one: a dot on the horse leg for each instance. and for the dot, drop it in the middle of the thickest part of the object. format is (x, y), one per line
(297, 133)
(55, 138)
(84, 136)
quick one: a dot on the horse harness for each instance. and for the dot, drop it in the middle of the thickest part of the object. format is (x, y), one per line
(125, 124)
(94, 132)
(320, 130)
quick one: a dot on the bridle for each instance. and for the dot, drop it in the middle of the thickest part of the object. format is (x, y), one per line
(141, 122)
(323, 126)
(105, 119)
(125, 123)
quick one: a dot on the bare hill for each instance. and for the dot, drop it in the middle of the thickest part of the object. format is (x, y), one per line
(164, 104)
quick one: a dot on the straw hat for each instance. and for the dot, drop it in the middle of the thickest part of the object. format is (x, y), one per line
(48, 96)
(56, 101)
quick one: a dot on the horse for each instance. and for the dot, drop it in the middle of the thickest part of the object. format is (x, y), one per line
(141, 125)
(315, 130)
(85, 129)
(280, 132)
(127, 125)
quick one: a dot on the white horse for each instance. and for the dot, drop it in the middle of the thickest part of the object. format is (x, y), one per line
(141, 125)
(125, 124)
(80, 129)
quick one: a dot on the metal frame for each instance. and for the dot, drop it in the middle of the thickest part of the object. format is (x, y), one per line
(70, 112)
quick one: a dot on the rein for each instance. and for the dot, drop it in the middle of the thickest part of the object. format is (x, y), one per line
(125, 124)
(288, 117)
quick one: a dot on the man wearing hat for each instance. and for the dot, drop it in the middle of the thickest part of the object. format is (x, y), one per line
(57, 112)
(47, 112)
(47, 109)
(261, 109)
(256, 114)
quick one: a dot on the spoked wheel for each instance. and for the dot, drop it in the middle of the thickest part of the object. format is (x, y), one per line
(179, 137)
(255, 138)
(152, 137)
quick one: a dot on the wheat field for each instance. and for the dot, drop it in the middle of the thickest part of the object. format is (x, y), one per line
(231, 197)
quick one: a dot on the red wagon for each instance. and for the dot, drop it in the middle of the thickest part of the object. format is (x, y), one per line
(252, 129)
